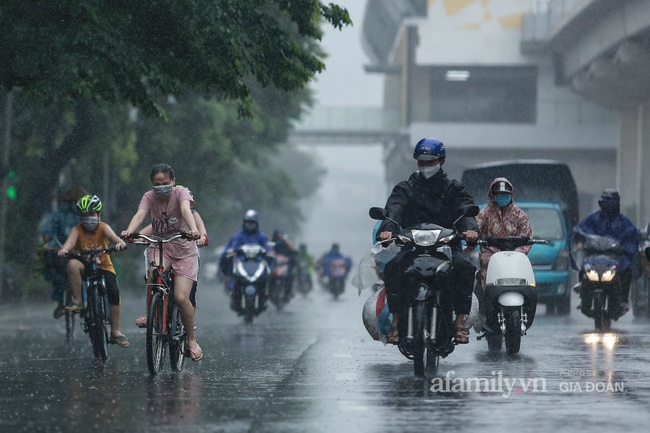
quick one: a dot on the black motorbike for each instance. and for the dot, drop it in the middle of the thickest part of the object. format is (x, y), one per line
(427, 329)
(597, 258)
(250, 273)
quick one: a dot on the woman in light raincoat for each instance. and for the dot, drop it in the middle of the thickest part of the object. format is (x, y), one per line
(501, 218)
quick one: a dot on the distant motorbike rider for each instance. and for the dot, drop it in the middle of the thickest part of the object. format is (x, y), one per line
(282, 246)
(429, 196)
(610, 222)
(323, 264)
(305, 258)
(249, 234)
(305, 262)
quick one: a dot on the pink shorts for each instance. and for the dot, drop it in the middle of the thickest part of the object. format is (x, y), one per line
(183, 255)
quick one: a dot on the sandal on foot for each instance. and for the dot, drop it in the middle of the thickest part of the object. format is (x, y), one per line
(461, 335)
(141, 322)
(58, 311)
(393, 335)
(196, 354)
(120, 340)
(74, 308)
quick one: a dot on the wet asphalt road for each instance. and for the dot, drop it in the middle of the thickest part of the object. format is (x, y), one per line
(313, 368)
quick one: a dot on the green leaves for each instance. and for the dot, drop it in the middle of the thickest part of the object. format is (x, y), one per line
(129, 51)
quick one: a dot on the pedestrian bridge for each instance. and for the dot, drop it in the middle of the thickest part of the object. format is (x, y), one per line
(346, 125)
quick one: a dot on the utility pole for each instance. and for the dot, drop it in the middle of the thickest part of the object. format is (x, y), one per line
(5, 185)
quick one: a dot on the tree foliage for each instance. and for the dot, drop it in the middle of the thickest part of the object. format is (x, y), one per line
(92, 80)
(131, 51)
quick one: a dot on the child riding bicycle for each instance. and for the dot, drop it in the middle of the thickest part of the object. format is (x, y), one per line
(170, 210)
(94, 234)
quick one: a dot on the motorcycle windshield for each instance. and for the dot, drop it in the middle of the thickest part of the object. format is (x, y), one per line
(584, 245)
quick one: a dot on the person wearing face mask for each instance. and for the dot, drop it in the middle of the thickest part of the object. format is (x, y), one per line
(429, 196)
(55, 228)
(501, 218)
(92, 233)
(170, 212)
(609, 221)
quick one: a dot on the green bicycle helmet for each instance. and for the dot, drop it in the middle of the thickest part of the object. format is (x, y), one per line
(89, 203)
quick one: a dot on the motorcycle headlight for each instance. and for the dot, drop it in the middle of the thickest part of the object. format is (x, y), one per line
(608, 275)
(425, 238)
(592, 275)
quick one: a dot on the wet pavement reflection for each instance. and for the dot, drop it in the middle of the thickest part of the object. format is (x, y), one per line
(313, 368)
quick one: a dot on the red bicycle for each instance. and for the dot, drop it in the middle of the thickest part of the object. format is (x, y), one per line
(165, 329)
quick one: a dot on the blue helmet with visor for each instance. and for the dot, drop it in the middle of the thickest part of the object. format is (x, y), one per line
(429, 149)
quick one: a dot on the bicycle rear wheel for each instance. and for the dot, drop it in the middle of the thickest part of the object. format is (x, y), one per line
(155, 336)
(96, 328)
(178, 340)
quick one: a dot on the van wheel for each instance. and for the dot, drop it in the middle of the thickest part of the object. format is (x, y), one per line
(550, 307)
(563, 305)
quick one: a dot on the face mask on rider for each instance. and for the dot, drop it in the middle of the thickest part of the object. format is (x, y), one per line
(90, 223)
(429, 170)
(162, 190)
(502, 200)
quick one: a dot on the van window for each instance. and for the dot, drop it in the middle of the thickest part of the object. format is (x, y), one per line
(546, 223)
(534, 180)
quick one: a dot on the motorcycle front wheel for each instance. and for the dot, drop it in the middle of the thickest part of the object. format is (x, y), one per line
(418, 345)
(249, 309)
(601, 320)
(513, 329)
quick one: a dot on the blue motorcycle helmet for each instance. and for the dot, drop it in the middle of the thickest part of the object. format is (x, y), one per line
(429, 149)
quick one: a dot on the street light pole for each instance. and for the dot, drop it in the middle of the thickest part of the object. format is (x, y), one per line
(5, 185)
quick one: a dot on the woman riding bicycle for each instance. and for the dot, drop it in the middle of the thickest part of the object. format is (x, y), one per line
(94, 234)
(170, 211)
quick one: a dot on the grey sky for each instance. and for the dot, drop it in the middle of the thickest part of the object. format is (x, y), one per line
(354, 182)
(344, 82)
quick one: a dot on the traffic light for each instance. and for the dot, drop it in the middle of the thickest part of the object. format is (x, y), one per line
(12, 193)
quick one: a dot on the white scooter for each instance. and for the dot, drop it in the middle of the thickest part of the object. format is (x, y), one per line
(509, 301)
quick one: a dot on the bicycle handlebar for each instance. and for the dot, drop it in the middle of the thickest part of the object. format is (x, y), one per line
(152, 239)
(91, 252)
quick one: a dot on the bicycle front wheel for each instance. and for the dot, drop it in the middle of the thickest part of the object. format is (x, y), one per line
(178, 341)
(155, 334)
(96, 328)
(69, 317)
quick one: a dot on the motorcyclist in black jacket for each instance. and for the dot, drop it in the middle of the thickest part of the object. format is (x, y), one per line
(429, 196)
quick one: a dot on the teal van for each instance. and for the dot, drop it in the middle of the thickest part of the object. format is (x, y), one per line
(551, 263)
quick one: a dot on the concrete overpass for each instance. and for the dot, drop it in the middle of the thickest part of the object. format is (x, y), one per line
(601, 51)
(346, 125)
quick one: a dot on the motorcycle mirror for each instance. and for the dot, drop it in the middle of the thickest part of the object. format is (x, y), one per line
(470, 211)
(377, 213)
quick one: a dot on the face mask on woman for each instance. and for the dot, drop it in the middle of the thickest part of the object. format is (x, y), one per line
(162, 190)
(502, 200)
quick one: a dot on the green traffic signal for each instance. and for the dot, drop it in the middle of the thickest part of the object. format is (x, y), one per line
(12, 193)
